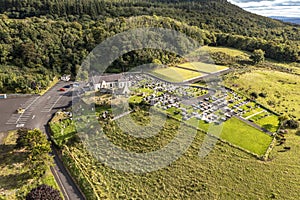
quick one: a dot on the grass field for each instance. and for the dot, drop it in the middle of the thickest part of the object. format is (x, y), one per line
(229, 51)
(282, 89)
(240, 134)
(203, 67)
(175, 74)
(245, 136)
(226, 173)
(15, 181)
(270, 122)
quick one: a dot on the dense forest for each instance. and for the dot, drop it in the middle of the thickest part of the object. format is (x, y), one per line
(40, 39)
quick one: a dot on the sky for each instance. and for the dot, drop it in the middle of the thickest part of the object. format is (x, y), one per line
(284, 8)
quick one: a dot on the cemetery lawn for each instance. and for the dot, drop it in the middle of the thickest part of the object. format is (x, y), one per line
(225, 173)
(238, 133)
(245, 136)
(270, 122)
(175, 74)
(202, 67)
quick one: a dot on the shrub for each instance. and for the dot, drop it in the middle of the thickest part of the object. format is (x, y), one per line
(43, 192)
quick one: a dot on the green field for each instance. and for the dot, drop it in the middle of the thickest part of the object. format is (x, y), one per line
(226, 173)
(238, 133)
(203, 67)
(269, 122)
(245, 136)
(229, 51)
(281, 89)
(15, 180)
(175, 74)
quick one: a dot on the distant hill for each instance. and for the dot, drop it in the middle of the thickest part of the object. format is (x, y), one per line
(293, 20)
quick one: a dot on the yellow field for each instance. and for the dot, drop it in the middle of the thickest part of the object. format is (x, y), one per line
(175, 74)
(203, 67)
(228, 51)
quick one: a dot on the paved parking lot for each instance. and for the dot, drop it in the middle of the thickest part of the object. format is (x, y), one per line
(8, 108)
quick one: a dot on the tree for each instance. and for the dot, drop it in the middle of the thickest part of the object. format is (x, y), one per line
(21, 140)
(291, 124)
(283, 118)
(43, 192)
(38, 149)
(258, 56)
(254, 95)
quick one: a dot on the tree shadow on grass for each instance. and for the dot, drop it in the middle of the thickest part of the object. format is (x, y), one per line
(9, 156)
(14, 181)
(268, 126)
(12, 175)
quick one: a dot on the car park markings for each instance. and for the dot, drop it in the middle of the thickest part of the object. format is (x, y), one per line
(51, 104)
(23, 117)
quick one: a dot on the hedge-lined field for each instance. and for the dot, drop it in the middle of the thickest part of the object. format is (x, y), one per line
(175, 74)
(281, 89)
(202, 67)
(226, 173)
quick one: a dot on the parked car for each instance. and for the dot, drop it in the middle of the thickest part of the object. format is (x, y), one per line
(62, 89)
(20, 110)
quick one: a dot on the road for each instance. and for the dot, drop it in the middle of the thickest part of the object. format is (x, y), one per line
(38, 111)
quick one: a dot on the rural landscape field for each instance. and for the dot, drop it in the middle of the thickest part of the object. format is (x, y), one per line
(136, 99)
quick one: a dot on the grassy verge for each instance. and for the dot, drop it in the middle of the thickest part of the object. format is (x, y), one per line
(55, 80)
(15, 181)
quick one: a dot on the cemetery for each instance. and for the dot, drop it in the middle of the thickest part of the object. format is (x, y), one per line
(245, 123)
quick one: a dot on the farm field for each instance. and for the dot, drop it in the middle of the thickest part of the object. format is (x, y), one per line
(15, 182)
(175, 74)
(202, 67)
(226, 173)
(281, 89)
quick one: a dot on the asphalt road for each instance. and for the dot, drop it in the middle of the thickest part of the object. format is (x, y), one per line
(38, 111)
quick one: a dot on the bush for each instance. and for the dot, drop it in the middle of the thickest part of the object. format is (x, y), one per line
(291, 124)
(43, 192)
(254, 95)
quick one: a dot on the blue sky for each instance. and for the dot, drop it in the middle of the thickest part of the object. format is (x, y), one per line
(285, 8)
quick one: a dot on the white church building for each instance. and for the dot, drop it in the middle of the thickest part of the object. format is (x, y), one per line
(116, 83)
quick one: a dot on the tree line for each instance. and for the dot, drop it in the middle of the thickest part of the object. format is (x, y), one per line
(216, 15)
(50, 38)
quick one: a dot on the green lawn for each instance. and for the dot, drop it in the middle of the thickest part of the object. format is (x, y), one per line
(252, 112)
(228, 51)
(238, 133)
(135, 99)
(270, 122)
(203, 67)
(245, 136)
(175, 74)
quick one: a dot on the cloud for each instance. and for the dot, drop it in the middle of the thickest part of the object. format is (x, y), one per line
(285, 8)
